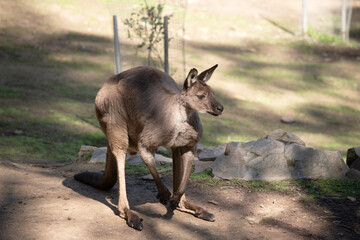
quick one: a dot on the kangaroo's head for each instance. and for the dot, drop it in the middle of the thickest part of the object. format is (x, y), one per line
(198, 95)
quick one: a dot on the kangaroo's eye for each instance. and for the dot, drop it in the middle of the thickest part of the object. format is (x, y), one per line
(200, 97)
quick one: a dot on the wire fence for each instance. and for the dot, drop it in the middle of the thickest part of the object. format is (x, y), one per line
(141, 33)
(322, 17)
(323, 21)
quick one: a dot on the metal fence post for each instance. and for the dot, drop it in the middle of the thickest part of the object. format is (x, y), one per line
(166, 45)
(304, 17)
(116, 45)
(343, 20)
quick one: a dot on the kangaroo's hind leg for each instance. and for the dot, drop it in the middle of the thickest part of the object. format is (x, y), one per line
(118, 143)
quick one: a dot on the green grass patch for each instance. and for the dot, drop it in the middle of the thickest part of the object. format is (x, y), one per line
(323, 38)
(131, 168)
(204, 179)
(11, 92)
(136, 168)
(330, 187)
(312, 189)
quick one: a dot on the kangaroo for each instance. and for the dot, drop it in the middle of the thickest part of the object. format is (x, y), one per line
(141, 109)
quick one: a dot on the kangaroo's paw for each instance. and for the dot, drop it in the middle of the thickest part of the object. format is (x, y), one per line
(205, 215)
(133, 220)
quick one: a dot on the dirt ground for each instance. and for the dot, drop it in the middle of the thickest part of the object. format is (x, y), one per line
(47, 203)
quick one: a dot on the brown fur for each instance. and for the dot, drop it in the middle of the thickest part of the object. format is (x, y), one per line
(141, 109)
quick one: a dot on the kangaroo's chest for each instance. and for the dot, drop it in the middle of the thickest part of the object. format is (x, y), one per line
(184, 135)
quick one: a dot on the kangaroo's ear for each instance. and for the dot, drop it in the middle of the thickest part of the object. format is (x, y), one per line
(191, 78)
(206, 75)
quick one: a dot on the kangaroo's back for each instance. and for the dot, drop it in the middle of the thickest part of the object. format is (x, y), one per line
(134, 96)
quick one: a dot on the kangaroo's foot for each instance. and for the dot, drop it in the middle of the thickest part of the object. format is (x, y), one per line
(197, 211)
(164, 196)
(132, 220)
(205, 215)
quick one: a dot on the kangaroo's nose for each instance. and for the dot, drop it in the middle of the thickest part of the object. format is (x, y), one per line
(220, 108)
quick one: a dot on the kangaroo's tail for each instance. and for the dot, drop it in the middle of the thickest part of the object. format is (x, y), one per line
(99, 180)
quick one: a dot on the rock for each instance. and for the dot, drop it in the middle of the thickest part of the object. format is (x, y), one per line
(161, 159)
(213, 202)
(287, 119)
(163, 151)
(150, 177)
(135, 159)
(353, 174)
(313, 163)
(199, 148)
(253, 219)
(356, 165)
(211, 153)
(271, 159)
(84, 149)
(99, 155)
(261, 159)
(201, 166)
(351, 199)
(285, 137)
(352, 155)
(18, 132)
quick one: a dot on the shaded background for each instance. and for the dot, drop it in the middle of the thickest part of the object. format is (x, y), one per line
(55, 55)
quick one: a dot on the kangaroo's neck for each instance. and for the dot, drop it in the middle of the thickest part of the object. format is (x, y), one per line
(185, 110)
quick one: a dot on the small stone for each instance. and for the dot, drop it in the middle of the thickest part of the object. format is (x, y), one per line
(287, 119)
(262, 206)
(351, 199)
(253, 219)
(213, 202)
(18, 132)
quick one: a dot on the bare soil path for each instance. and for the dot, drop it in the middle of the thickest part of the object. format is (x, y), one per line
(47, 203)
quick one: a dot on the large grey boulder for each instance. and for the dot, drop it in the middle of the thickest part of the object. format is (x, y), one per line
(270, 159)
(353, 174)
(99, 155)
(210, 153)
